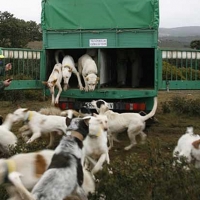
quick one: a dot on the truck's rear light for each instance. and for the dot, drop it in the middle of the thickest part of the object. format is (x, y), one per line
(66, 105)
(63, 106)
(135, 106)
(142, 106)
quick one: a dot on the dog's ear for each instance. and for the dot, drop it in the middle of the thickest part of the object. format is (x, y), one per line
(26, 110)
(54, 81)
(44, 82)
(95, 115)
(196, 144)
(68, 121)
(70, 69)
(86, 120)
(98, 78)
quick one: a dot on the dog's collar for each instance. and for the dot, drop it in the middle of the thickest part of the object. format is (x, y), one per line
(56, 70)
(90, 72)
(92, 136)
(95, 135)
(67, 66)
(77, 135)
(28, 116)
(10, 167)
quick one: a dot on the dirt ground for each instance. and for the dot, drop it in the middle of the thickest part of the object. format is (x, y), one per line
(167, 130)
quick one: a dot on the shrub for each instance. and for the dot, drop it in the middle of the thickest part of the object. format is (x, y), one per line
(171, 72)
(165, 107)
(15, 95)
(21, 95)
(146, 179)
(182, 105)
(135, 177)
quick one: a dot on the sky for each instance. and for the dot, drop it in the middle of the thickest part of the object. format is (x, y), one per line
(173, 13)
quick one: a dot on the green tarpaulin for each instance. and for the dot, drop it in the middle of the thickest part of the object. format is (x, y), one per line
(99, 14)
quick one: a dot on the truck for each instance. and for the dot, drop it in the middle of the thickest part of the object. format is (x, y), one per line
(120, 35)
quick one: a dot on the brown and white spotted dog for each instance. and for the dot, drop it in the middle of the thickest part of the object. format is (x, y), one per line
(40, 124)
(54, 80)
(188, 146)
(30, 165)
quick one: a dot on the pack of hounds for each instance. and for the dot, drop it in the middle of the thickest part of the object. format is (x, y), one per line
(87, 69)
(83, 150)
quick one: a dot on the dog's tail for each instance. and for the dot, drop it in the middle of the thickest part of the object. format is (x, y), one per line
(14, 178)
(153, 111)
(57, 55)
(190, 130)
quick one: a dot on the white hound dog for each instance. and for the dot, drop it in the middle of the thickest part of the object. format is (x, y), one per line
(54, 80)
(68, 67)
(40, 124)
(7, 138)
(26, 132)
(134, 123)
(29, 168)
(188, 146)
(88, 69)
(95, 148)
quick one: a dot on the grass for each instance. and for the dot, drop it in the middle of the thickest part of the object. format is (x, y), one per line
(164, 133)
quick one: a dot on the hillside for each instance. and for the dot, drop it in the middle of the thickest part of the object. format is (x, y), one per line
(187, 31)
(179, 37)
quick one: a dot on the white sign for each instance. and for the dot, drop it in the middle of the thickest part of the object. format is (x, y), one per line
(98, 42)
(89, 105)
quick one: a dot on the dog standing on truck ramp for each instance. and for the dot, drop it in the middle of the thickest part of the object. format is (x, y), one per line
(88, 69)
(68, 67)
(54, 80)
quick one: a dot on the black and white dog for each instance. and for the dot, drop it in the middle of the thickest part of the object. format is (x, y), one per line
(85, 111)
(64, 176)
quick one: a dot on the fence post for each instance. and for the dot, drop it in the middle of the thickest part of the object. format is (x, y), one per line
(159, 69)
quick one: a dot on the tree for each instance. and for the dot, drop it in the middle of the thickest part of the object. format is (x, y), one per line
(16, 33)
(195, 44)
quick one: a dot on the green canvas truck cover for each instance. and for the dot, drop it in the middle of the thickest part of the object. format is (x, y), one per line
(99, 14)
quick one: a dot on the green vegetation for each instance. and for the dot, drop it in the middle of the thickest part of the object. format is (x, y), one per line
(195, 44)
(179, 105)
(151, 178)
(17, 33)
(171, 72)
